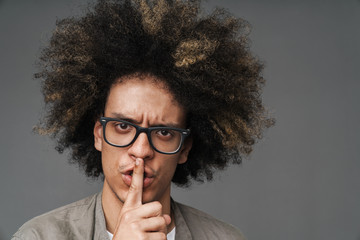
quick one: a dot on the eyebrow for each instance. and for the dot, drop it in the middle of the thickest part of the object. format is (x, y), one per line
(124, 117)
(121, 116)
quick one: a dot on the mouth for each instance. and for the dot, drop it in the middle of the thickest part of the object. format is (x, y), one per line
(148, 178)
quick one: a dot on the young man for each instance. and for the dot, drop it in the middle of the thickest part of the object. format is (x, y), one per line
(145, 93)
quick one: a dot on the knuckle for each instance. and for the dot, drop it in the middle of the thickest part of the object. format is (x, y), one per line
(157, 206)
(135, 226)
(133, 188)
(142, 236)
(126, 217)
(162, 221)
(162, 236)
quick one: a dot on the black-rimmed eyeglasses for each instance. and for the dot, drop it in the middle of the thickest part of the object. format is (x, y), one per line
(121, 133)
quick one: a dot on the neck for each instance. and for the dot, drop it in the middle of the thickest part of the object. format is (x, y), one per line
(112, 206)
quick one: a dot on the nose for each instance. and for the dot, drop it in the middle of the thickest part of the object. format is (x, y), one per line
(141, 148)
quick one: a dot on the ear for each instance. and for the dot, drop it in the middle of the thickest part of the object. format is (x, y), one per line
(184, 152)
(98, 136)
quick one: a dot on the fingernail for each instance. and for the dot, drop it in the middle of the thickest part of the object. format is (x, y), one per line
(137, 161)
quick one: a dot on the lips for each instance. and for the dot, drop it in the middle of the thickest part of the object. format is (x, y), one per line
(148, 177)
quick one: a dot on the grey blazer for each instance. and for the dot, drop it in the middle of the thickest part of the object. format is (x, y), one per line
(84, 219)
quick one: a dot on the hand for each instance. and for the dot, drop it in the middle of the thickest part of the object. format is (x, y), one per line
(137, 220)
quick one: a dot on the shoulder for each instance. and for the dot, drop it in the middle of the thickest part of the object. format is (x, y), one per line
(207, 226)
(53, 224)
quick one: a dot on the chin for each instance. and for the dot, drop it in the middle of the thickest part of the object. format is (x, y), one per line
(148, 197)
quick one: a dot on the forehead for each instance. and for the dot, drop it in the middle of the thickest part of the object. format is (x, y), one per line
(144, 99)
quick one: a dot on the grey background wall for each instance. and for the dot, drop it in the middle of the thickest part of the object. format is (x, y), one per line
(302, 182)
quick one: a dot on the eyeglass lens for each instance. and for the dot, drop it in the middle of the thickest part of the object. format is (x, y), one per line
(121, 134)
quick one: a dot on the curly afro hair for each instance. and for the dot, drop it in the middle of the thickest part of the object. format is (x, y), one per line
(204, 60)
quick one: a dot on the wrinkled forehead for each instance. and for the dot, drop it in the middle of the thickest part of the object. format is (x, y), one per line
(144, 96)
(160, 83)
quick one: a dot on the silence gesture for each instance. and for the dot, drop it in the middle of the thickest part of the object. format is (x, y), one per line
(137, 220)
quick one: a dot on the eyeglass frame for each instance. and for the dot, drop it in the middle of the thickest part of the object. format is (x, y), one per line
(184, 133)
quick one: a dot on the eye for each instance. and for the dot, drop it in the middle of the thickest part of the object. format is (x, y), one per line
(165, 134)
(122, 127)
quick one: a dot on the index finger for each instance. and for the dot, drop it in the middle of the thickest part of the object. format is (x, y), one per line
(134, 196)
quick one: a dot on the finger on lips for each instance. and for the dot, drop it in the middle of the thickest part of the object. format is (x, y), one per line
(148, 217)
(134, 197)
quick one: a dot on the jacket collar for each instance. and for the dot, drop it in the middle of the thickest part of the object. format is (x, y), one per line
(182, 231)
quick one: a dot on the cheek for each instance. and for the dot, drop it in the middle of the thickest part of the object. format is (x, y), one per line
(110, 158)
(169, 167)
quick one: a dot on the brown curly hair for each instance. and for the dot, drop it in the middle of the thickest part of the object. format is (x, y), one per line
(203, 59)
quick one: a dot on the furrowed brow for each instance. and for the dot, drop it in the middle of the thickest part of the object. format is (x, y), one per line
(121, 116)
(166, 125)
(124, 117)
